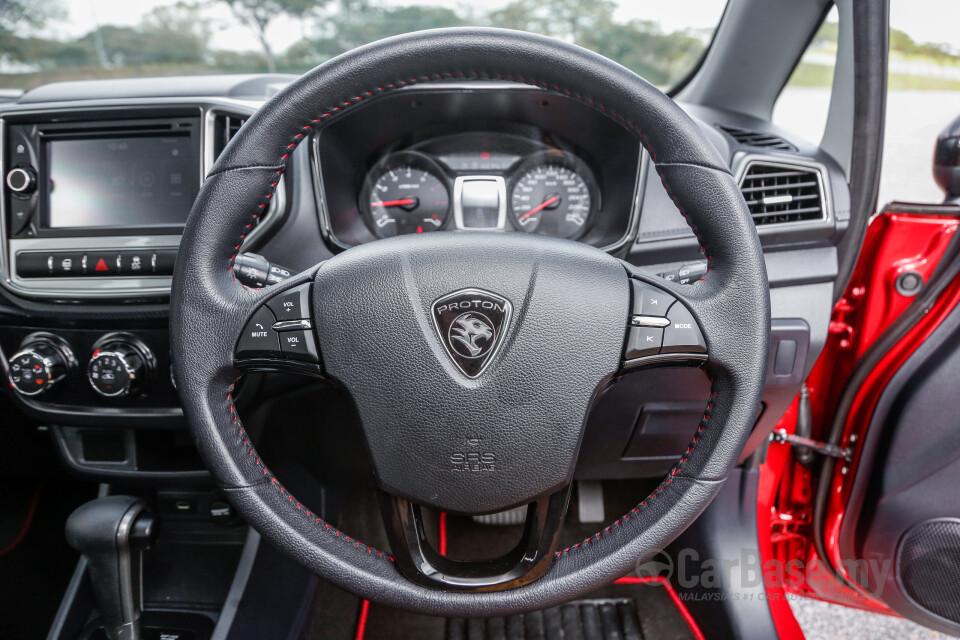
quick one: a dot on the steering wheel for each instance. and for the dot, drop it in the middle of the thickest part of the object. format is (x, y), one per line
(473, 358)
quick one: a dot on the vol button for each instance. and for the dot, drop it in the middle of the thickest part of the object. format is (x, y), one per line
(293, 304)
(299, 345)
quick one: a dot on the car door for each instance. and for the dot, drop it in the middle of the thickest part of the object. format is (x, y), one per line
(866, 468)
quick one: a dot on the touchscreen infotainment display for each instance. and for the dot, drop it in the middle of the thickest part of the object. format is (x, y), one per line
(120, 182)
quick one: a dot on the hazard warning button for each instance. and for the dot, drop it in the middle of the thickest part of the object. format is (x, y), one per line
(102, 264)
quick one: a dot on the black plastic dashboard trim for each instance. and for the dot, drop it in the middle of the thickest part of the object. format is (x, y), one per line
(618, 248)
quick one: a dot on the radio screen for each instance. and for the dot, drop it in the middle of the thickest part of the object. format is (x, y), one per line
(120, 182)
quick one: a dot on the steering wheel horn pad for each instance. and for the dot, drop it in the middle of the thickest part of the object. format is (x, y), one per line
(437, 437)
(420, 409)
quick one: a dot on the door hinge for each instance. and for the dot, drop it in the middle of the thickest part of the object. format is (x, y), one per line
(823, 448)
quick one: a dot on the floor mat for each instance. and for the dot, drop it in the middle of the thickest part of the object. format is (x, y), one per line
(656, 614)
(35, 571)
(17, 515)
(578, 620)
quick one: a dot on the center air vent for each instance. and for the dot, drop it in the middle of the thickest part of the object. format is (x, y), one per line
(757, 139)
(779, 193)
(225, 126)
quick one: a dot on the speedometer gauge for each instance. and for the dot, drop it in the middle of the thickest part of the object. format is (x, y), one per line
(405, 193)
(553, 196)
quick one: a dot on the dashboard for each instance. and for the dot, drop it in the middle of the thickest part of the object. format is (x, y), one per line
(452, 158)
(495, 182)
(99, 178)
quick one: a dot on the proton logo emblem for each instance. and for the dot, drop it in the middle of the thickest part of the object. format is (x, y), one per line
(469, 328)
(470, 324)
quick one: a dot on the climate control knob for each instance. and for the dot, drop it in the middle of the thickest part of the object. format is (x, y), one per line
(119, 368)
(39, 366)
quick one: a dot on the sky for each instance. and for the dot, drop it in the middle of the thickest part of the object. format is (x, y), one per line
(923, 20)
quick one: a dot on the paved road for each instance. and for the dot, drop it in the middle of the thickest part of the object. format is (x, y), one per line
(914, 118)
(822, 621)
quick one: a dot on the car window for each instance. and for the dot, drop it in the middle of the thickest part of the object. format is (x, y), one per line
(805, 100)
(80, 39)
(923, 93)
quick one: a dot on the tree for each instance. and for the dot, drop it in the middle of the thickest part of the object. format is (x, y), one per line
(183, 27)
(661, 58)
(572, 20)
(257, 15)
(358, 22)
(173, 34)
(19, 15)
(639, 45)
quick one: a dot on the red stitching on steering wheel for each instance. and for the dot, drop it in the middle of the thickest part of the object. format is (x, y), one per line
(245, 443)
(663, 485)
(459, 75)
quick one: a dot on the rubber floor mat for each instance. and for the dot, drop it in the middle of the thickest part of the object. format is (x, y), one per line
(610, 619)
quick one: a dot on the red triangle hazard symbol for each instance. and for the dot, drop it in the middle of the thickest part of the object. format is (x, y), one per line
(101, 266)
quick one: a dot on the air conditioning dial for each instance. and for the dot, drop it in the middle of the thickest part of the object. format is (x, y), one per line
(120, 367)
(40, 365)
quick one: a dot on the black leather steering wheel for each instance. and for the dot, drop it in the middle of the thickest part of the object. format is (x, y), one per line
(493, 419)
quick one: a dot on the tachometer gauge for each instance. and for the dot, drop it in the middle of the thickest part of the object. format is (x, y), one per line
(405, 193)
(554, 196)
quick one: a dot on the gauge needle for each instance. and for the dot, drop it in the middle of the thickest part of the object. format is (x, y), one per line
(540, 207)
(394, 203)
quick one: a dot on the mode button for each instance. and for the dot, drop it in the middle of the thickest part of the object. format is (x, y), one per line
(682, 335)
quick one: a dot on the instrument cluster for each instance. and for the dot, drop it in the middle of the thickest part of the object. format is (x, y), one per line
(480, 182)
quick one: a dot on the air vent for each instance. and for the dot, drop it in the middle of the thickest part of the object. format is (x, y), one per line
(757, 139)
(779, 193)
(224, 128)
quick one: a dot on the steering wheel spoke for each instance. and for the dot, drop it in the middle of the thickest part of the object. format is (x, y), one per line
(661, 328)
(417, 559)
(278, 334)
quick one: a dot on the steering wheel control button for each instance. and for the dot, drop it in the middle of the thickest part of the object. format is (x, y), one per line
(299, 345)
(291, 305)
(258, 339)
(649, 321)
(292, 325)
(643, 342)
(682, 335)
(650, 301)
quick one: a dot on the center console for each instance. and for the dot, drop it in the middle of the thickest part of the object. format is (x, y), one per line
(95, 207)
(95, 196)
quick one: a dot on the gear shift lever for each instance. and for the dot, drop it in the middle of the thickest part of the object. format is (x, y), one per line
(112, 533)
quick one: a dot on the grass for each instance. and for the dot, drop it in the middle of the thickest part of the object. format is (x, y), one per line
(821, 75)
